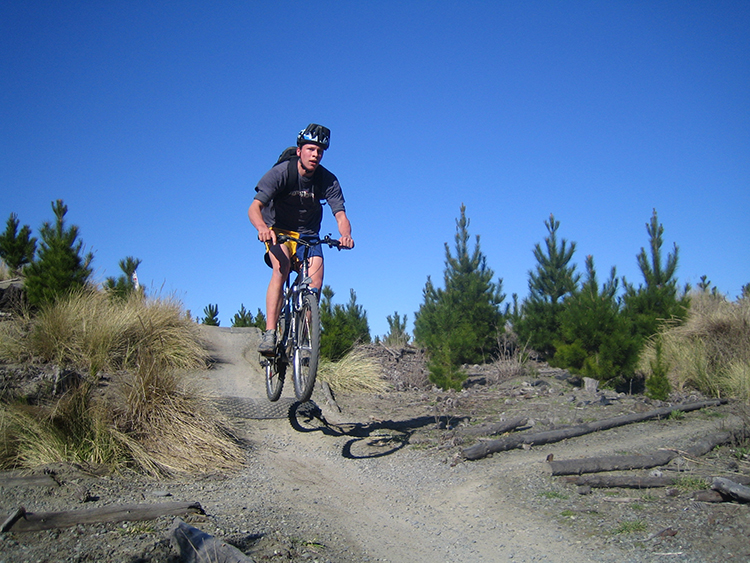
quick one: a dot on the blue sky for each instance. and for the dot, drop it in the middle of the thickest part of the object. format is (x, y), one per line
(153, 121)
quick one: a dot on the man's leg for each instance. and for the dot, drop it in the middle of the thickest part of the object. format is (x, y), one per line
(315, 270)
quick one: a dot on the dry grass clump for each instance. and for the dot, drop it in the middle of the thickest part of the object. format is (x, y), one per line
(143, 414)
(176, 429)
(711, 350)
(90, 332)
(354, 373)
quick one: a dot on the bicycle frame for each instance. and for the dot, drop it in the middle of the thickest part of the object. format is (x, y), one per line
(298, 329)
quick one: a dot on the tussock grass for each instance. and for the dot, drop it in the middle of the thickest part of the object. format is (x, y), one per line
(710, 351)
(354, 373)
(89, 332)
(149, 416)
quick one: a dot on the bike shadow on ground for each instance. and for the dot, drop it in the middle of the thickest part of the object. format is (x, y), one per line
(368, 440)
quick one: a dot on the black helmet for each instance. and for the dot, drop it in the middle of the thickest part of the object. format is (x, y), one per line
(315, 134)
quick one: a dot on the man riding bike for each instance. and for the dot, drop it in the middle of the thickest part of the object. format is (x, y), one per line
(288, 201)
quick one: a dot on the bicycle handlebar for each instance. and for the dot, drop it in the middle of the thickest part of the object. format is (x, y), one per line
(314, 242)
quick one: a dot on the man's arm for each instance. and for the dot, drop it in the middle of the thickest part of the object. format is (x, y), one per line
(345, 229)
(256, 218)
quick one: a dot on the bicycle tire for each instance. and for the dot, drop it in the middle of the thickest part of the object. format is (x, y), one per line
(307, 347)
(276, 367)
(275, 373)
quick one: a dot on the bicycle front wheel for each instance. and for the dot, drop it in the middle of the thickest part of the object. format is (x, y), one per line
(306, 347)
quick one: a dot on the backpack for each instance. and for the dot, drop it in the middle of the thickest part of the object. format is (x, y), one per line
(289, 155)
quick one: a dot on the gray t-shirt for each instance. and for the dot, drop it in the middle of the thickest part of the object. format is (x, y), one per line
(299, 210)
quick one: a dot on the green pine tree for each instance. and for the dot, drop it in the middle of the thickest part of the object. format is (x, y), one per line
(17, 248)
(260, 320)
(657, 384)
(397, 334)
(212, 315)
(124, 285)
(342, 326)
(460, 323)
(60, 267)
(550, 284)
(244, 318)
(658, 299)
(595, 338)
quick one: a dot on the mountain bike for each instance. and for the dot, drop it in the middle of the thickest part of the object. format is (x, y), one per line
(298, 330)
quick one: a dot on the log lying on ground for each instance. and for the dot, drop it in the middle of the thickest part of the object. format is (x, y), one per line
(195, 546)
(621, 481)
(496, 428)
(731, 489)
(486, 448)
(626, 462)
(33, 522)
(12, 480)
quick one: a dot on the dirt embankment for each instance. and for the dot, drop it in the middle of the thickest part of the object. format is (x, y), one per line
(383, 479)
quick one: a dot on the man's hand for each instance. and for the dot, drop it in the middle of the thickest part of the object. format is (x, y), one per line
(346, 242)
(267, 235)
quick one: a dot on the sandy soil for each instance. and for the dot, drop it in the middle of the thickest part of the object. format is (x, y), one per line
(383, 480)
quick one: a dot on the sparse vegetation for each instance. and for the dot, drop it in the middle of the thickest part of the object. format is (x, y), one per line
(690, 483)
(629, 527)
(553, 495)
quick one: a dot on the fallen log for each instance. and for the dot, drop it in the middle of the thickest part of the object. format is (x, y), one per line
(33, 522)
(496, 428)
(610, 463)
(699, 447)
(12, 519)
(621, 481)
(731, 489)
(485, 448)
(10, 480)
(195, 546)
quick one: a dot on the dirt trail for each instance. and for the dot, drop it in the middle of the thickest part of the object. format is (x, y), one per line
(406, 506)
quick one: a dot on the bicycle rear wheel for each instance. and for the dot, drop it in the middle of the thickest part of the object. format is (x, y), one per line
(276, 366)
(275, 373)
(306, 347)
